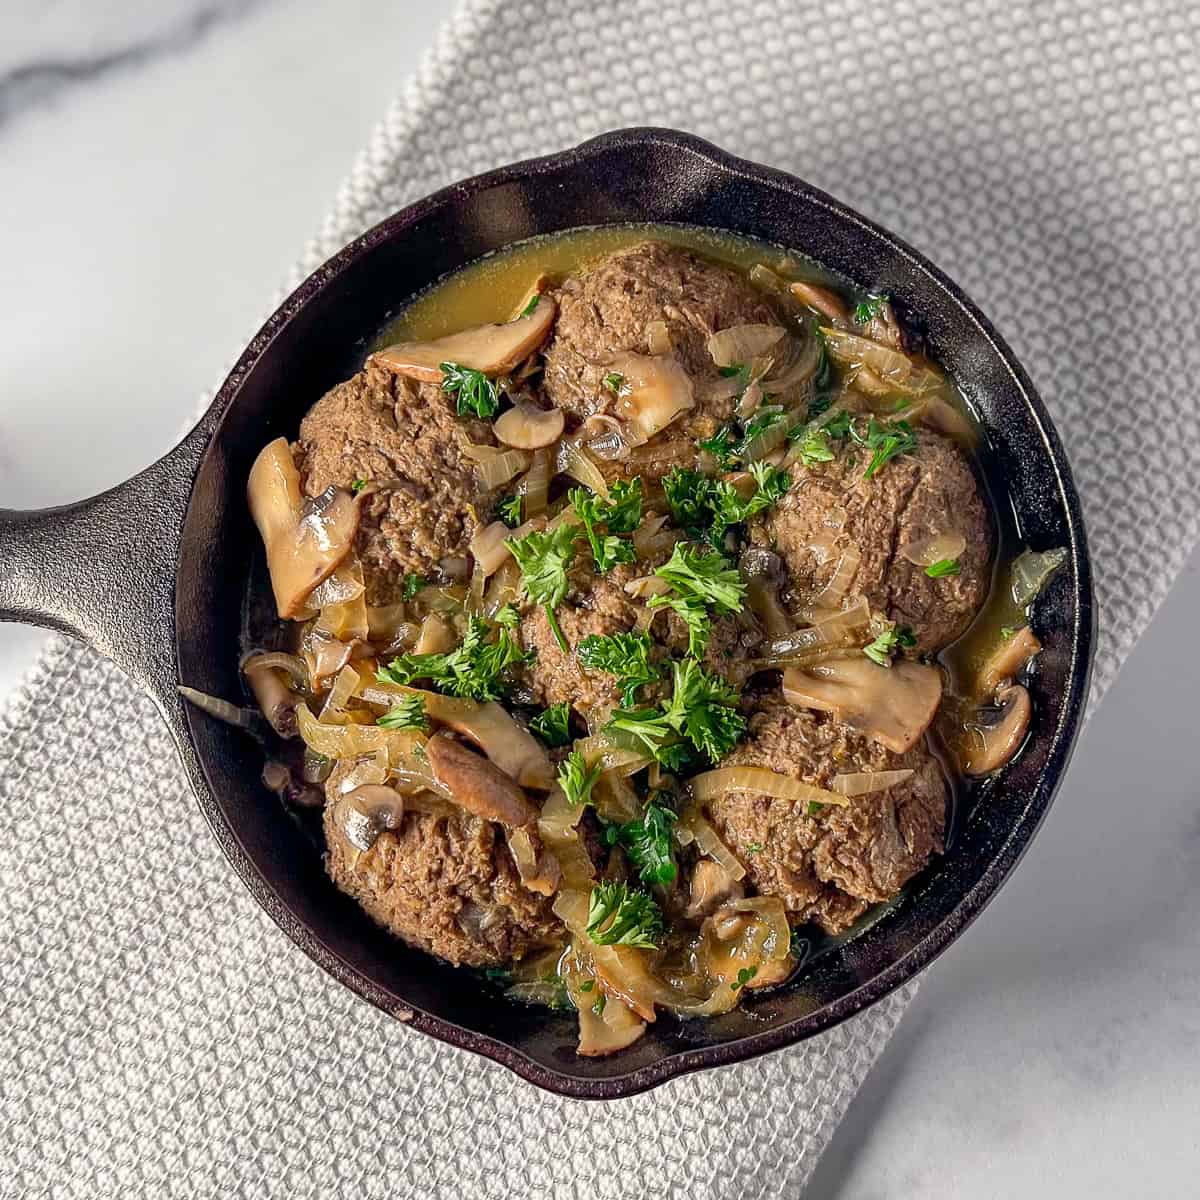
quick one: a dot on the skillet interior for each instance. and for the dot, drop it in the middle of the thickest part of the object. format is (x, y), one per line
(319, 337)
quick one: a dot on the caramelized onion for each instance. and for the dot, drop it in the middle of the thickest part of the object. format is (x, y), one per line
(1009, 657)
(575, 461)
(241, 718)
(832, 594)
(693, 826)
(862, 783)
(711, 784)
(534, 487)
(821, 300)
(488, 547)
(744, 345)
(933, 549)
(499, 467)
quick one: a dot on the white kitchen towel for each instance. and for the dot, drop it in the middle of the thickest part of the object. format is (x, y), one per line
(161, 1037)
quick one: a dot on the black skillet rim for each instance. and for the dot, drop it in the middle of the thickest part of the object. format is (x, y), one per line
(1061, 742)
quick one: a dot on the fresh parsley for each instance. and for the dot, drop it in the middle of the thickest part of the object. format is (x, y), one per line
(622, 916)
(531, 307)
(621, 513)
(509, 510)
(553, 725)
(867, 310)
(625, 655)
(473, 669)
(743, 977)
(577, 779)
(358, 485)
(544, 559)
(815, 448)
(647, 842)
(701, 581)
(707, 508)
(475, 393)
(407, 712)
(722, 446)
(885, 441)
(615, 382)
(888, 643)
(412, 584)
(944, 567)
(702, 711)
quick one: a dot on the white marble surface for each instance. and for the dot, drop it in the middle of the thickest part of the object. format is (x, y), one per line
(162, 163)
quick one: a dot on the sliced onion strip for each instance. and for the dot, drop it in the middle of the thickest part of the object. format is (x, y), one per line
(712, 784)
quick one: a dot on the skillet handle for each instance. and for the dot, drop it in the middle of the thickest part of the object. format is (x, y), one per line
(103, 569)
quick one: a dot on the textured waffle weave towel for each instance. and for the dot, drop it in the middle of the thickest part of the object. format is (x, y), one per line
(161, 1037)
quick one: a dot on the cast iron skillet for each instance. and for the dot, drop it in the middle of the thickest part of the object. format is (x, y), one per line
(153, 574)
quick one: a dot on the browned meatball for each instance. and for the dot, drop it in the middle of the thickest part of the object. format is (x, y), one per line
(382, 428)
(829, 867)
(609, 309)
(912, 497)
(599, 605)
(447, 885)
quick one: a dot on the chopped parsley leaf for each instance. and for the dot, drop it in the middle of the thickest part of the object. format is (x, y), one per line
(622, 916)
(473, 669)
(721, 446)
(707, 508)
(587, 985)
(615, 382)
(886, 441)
(621, 513)
(707, 575)
(509, 510)
(754, 848)
(358, 485)
(553, 725)
(867, 310)
(407, 712)
(577, 779)
(743, 977)
(815, 449)
(474, 392)
(412, 584)
(544, 559)
(814, 808)
(531, 307)
(888, 643)
(647, 842)
(625, 655)
(598, 1007)
(943, 567)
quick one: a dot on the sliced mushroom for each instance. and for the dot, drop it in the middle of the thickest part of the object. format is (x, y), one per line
(305, 541)
(277, 700)
(821, 300)
(1010, 657)
(492, 349)
(711, 886)
(436, 636)
(527, 427)
(611, 1029)
(992, 743)
(478, 785)
(655, 390)
(366, 812)
(891, 705)
(277, 778)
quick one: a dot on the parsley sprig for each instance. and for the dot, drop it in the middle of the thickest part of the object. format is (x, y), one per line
(889, 643)
(473, 669)
(701, 581)
(553, 725)
(621, 513)
(867, 310)
(625, 655)
(622, 916)
(707, 508)
(647, 842)
(577, 779)
(545, 558)
(474, 392)
(885, 441)
(944, 567)
(701, 711)
(406, 712)
(509, 510)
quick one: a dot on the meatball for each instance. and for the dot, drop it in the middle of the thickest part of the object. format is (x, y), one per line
(609, 309)
(830, 866)
(599, 605)
(911, 498)
(446, 885)
(404, 435)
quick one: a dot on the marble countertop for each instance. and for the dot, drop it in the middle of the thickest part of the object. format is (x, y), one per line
(162, 165)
